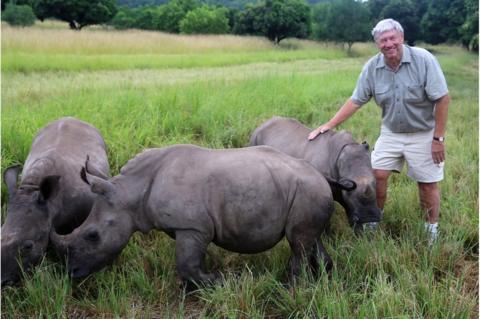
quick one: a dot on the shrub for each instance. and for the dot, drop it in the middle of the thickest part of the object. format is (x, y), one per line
(205, 20)
(22, 16)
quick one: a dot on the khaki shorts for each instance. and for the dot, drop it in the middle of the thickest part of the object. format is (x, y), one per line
(393, 149)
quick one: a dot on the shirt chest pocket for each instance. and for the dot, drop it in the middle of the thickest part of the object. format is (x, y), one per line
(383, 95)
(415, 94)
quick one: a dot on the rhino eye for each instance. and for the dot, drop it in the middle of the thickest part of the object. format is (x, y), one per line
(92, 236)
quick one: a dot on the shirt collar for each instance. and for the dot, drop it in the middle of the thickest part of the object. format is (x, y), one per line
(406, 57)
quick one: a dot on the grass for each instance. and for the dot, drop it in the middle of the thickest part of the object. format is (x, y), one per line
(213, 91)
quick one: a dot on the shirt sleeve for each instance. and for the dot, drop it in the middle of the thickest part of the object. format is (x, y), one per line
(436, 85)
(363, 91)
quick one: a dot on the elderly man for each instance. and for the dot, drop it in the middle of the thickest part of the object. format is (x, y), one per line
(409, 85)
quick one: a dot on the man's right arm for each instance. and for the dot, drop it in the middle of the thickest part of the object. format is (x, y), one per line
(345, 112)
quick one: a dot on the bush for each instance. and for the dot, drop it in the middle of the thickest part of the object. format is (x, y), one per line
(205, 20)
(22, 16)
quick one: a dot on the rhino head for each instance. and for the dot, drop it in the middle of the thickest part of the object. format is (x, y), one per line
(102, 236)
(361, 203)
(25, 233)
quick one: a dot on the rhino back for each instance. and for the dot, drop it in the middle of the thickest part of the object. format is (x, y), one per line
(291, 137)
(71, 140)
(239, 198)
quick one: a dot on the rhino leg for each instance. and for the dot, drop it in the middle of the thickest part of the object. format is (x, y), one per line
(190, 248)
(319, 253)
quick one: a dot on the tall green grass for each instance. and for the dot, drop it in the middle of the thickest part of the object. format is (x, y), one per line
(390, 274)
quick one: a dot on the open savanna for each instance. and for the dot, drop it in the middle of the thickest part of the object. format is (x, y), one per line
(148, 89)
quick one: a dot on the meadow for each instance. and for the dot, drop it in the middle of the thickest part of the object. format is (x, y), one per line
(146, 89)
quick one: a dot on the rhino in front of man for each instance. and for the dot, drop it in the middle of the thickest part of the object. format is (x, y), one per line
(243, 200)
(50, 193)
(334, 154)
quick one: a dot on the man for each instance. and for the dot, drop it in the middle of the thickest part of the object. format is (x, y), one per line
(409, 85)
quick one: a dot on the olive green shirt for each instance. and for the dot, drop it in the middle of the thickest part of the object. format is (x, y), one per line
(407, 96)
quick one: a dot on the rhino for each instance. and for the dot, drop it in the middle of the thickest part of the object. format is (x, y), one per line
(50, 194)
(244, 200)
(334, 154)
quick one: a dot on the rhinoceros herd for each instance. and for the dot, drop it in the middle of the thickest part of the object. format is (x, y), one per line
(244, 200)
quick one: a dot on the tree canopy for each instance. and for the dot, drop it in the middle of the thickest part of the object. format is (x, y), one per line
(18, 15)
(78, 13)
(205, 20)
(275, 19)
(343, 21)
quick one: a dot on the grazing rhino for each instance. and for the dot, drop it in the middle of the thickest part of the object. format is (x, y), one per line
(51, 194)
(244, 200)
(334, 154)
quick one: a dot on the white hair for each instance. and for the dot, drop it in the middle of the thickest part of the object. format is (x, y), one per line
(386, 25)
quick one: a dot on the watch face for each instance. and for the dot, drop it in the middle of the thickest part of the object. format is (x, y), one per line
(440, 139)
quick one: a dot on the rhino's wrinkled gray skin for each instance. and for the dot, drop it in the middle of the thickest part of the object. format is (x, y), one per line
(334, 154)
(244, 200)
(50, 193)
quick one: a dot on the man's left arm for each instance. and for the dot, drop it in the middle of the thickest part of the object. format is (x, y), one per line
(441, 115)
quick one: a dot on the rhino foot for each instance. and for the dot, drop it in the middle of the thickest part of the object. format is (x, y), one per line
(190, 248)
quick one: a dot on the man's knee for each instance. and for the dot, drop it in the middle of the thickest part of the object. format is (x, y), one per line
(381, 175)
(428, 188)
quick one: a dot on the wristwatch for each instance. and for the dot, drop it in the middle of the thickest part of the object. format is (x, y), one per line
(440, 138)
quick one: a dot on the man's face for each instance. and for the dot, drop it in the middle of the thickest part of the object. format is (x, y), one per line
(390, 44)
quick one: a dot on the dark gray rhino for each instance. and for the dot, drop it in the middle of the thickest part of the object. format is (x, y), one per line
(50, 193)
(244, 200)
(334, 154)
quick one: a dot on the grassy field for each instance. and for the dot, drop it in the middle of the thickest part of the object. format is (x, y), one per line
(145, 89)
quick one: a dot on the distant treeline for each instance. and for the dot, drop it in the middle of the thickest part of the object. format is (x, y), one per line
(346, 21)
(235, 4)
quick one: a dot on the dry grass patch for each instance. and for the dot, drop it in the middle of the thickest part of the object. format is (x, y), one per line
(105, 41)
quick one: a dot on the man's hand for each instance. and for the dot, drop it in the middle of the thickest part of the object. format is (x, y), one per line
(320, 130)
(438, 152)
(342, 115)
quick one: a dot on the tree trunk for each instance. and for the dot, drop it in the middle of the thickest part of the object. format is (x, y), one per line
(350, 47)
(73, 25)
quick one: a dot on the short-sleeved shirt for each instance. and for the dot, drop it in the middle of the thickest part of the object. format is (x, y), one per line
(407, 96)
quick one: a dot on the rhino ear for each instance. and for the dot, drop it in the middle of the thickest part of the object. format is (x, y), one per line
(10, 176)
(92, 169)
(48, 188)
(347, 184)
(97, 184)
(365, 144)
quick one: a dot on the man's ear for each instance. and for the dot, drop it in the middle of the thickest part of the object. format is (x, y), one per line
(48, 188)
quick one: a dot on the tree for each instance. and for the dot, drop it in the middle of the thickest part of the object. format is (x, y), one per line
(205, 20)
(19, 15)
(469, 29)
(78, 13)
(319, 21)
(405, 12)
(123, 19)
(347, 21)
(170, 14)
(276, 19)
(443, 20)
(29, 3)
